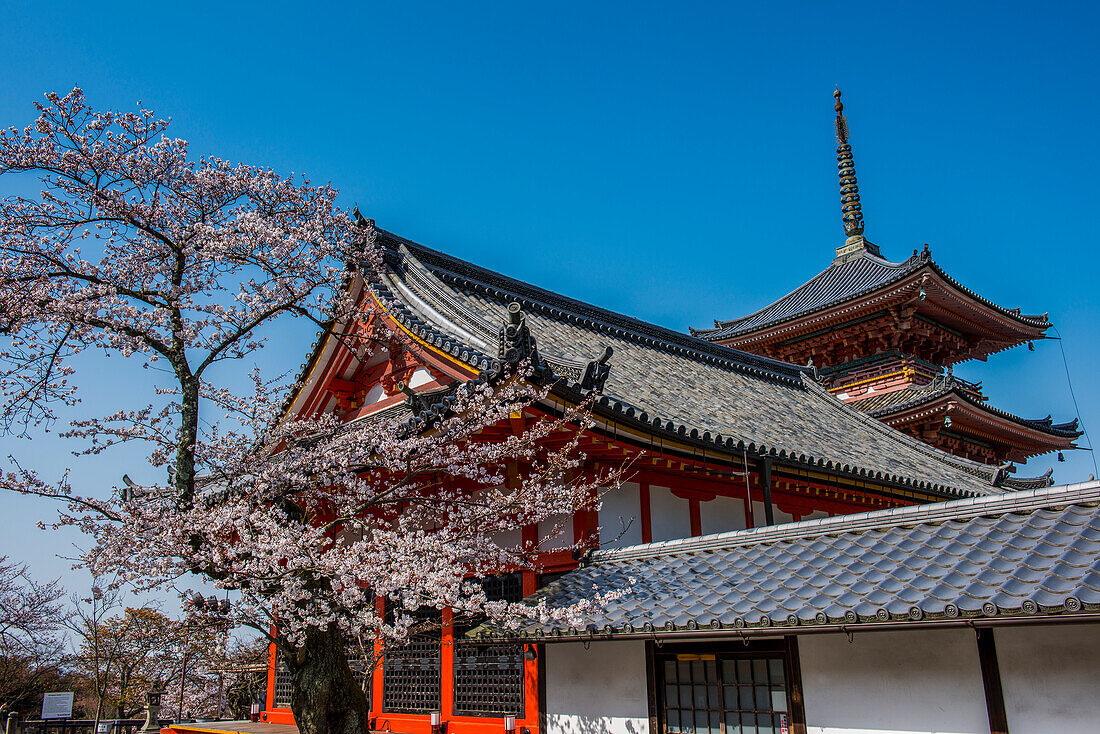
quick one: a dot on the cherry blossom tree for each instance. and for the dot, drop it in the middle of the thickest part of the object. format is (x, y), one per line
(134, 249)
(31, 645)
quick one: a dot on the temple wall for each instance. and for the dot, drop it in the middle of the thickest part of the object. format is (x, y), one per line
(669, 515)
(893, 683)
(722, 514)
(548, 540)
(601, 690)
(621, 507)
(1050, 676)
(778, 515)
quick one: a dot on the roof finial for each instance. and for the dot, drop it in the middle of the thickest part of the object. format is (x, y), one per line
(849, 188)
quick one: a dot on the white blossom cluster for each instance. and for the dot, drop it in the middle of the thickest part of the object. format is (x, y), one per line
(310, 521)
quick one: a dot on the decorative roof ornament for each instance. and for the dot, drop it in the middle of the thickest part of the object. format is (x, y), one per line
(516, 344)
(596, 371)
(849, 187)
(850, 207)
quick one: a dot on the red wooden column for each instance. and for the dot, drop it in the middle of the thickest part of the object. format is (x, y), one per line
(376, 678)
(586, 523)
(531, 702)
(271, 662)
(644, 511)
(447, 666)
(696, 518)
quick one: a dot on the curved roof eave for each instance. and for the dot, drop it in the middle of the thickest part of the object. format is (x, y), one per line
(1046, 425)
(870, 274)
(695, 350)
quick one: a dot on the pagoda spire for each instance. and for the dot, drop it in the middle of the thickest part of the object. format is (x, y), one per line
(851, 209)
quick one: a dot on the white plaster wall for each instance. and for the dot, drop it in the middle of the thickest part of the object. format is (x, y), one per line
(669, 516)
(562, 540)
(619, 508)
(1050, 677)
(781, 517)
(778, 515)
(722, 514)
(420, 376)
(921, 681)
(510, 539)
(374, 395)
(601, 690)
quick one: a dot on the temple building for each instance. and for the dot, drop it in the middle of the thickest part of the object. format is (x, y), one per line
(885, 336)
(791, 562)
(718, 440)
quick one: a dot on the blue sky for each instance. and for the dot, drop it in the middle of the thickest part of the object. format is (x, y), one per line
(672, 161)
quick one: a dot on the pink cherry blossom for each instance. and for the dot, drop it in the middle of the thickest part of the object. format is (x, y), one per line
(134, 249)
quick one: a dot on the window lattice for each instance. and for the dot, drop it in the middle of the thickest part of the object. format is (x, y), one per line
(489, 678)
(702, 694)
(282, 683)
(411, 673)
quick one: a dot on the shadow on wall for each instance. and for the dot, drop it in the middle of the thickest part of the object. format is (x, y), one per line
(595, 725)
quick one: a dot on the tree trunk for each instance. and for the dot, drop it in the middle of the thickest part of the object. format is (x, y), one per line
(325, 697)
(184, 463)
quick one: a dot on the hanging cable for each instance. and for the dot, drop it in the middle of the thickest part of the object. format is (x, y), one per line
(1073, 396)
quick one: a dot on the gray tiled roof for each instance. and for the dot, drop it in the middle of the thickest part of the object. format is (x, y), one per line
(1020, 554)
(673, 383)
(844, 280)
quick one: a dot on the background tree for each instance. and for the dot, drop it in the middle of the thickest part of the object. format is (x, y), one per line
(95, 659)
(143, 644)
(32, 650)
(134, 249)
(237, 674)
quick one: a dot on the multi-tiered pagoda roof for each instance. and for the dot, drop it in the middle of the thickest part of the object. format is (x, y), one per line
(863, 282)
(886, 334)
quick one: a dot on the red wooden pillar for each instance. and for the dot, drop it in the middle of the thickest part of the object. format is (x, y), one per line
(530, 538)
(586, 523)
(271, 662)
(447, 666)
(532, 704)
(530, 582)
(748, 499)
(376, 678)
(644, 511)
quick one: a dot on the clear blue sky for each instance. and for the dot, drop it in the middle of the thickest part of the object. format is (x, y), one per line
(673, 161)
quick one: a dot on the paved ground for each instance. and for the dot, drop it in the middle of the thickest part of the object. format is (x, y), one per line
(231, 727)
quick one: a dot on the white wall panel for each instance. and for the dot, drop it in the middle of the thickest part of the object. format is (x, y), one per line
(722, 514)
(420, 376)
(914, 682)
(1050, 677)
(601, 690)
(510, 539)
(559, 542)
(621, 508)
(670, 516)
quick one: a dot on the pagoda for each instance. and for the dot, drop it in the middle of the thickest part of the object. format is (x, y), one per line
(885, 336)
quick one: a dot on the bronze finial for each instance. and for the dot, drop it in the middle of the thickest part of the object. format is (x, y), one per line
(850, 207)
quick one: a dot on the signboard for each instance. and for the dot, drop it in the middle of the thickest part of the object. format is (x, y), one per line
(783, 728)
(57, 705)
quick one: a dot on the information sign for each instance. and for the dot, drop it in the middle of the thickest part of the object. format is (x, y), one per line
(57, 705)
